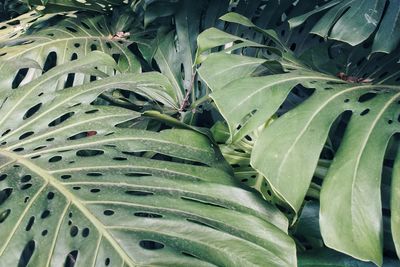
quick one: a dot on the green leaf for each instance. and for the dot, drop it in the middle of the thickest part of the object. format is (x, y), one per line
(237, 18)
(354, 22)
(242, 101)
(15, 27)
(362, 15)
(213, 37)
(353, 179)
(71, 38)
(220, 69)
(395, 204)
(297, 21)
(78, 187)
(387, 38)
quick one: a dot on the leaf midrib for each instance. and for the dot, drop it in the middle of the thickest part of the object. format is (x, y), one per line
(50, 180)
(282, 162)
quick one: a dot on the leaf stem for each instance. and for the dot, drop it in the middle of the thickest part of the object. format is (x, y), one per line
(185, 101)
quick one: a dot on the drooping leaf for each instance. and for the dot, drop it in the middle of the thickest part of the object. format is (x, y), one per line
(77, 187)
(395, 204)
(287, 152)
(354, 22)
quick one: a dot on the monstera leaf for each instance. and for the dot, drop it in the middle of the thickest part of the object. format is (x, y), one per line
(69, 39)
(351, 209)
(78, 189)
(340, 18)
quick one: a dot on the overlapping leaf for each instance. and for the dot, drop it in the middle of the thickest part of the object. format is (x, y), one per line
(70, 39)
(287, 152)
(355, 21)
(79, 190)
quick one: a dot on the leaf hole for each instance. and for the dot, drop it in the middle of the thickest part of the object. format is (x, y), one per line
(51, 61)
(138, 193)
(151, 245)
(85, 232)
(71, 29)
(108, 212)
(94, 190)
(94, 174)
(74, 231)
(3, 177)
(26, 254)
(6, 132)
(32, 111)
(366, 97)
(147, 215)
(91, 111)
(19, 77)
(26, 186)
(4, 215)
(5, 194)
(120, 158)
(85, 25)
(136, 174)
(30, 223)
(71, 258)
(26, 135)
(50, 195)
(61, 119)
(55, 159)
(89, 153)
(26, 178)
(45, 214)
(365, 112)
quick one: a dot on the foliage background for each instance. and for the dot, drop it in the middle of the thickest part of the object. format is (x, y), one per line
(313, 157)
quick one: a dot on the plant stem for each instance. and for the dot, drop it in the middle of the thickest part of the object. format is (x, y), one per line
(185, 101)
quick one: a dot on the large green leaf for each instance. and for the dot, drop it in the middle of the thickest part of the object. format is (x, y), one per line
(287, 152)
(355, 21)
(352, 180)
(79, 190)
(69, 39)
(395, 204)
